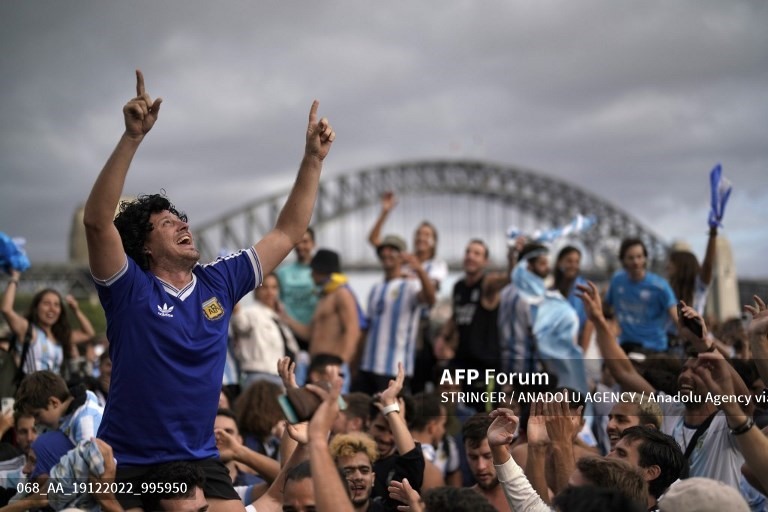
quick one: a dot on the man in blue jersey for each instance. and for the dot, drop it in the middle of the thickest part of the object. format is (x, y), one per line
(641, 300)
(167, 316)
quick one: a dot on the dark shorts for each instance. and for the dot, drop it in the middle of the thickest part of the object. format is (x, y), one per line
(218, 484)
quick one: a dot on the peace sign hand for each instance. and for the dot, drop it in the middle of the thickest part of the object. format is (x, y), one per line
(141, 112)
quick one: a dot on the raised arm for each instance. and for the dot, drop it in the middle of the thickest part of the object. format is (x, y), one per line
(388, 203)
(614, 357)
(105, 250)
(427, 293)
(705, 274)
(718, 378)
(396, 419)
(330, 493)
(16, 322)
(86, 331)
(293, 220)
(521, 497)
(758, 336)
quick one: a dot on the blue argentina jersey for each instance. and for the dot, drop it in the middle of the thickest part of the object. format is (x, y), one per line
(168, 348)
(642, 308)
(393, 314)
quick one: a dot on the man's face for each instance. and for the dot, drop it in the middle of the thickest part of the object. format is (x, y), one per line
(686, 382)
(622, 416)
(196, 503)
(170, 240)
(570, 264)
(424, 239)
(382, 434)
(25, 433)
(228, 425)
(539, 266)
(358, 471)
(480, 462)
(269, 292)
(304, 248)
(634, 261)
(627, 450)
(389, 257)
(475, 258)
(299, 496)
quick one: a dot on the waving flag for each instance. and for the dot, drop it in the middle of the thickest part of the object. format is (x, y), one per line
(578, 225)
(12, 255)
(721, 191)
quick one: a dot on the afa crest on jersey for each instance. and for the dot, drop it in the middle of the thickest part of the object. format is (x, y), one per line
(212, 309)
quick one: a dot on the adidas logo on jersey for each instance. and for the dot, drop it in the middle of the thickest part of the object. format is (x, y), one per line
(164, 310)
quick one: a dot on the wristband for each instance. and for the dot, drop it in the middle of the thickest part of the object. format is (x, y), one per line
(743, 429)
(395, 407)
(14, 281)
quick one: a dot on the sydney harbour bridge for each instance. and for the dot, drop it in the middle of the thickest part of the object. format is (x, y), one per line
(464, 199)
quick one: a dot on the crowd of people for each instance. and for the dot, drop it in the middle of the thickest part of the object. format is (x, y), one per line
(311, 398)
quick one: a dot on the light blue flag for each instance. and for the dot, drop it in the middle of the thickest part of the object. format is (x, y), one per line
(721, 191)
(577, 226)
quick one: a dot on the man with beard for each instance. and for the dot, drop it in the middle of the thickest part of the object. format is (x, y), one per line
(354, 455)
(480, 460)
(705, 434)
(470, 336)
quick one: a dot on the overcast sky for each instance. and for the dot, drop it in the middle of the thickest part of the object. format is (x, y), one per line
(633, 100)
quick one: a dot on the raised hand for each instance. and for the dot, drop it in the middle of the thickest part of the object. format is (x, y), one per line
(389, 395)
(593, 304)
(322, 420)
(536, 430)
(320, 134)
(560, 424)
(388, 201)
(688, 313)
(287, 371)
(502, 431)
(227, 445)
(71, 302)
(141, 112)
(759, 324)
(404, 493)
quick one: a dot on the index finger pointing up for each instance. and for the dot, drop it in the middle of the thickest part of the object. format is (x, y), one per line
(139, 83)
(313, 112)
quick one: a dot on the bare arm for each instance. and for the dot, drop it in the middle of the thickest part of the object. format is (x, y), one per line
(330, 494)
(614, 357)
(758, 336)
(16, 322)
(105, 249)
(231, 449)
(718, 379)
(347, 310)
(86, 331)
(538, 445)
(396, 420)
(705, 273)
(388, 202)
(427, 293)
(293, 220)
(299, 329)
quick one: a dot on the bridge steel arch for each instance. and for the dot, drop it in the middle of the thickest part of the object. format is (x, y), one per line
(552, 202)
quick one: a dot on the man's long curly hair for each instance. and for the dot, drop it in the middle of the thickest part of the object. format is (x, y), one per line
(133, 223)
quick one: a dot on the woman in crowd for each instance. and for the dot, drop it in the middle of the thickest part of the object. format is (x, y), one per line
(51, 337)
